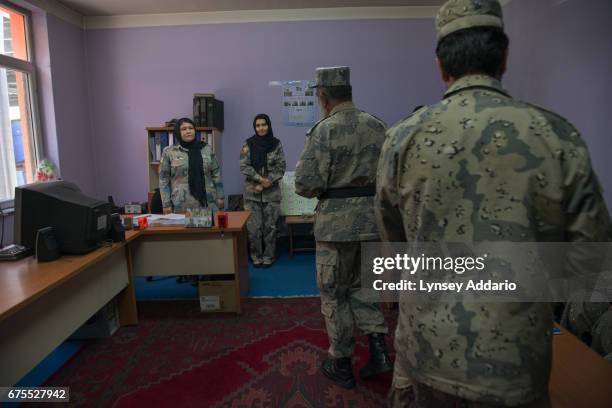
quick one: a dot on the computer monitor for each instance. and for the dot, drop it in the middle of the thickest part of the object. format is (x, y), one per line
(80, 223)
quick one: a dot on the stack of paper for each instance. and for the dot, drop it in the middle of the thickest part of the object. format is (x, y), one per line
(167, 219)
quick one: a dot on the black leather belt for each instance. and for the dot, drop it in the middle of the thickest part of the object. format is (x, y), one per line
(348, 192)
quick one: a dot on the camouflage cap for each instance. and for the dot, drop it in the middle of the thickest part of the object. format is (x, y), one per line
(455, 15)
(332, 76)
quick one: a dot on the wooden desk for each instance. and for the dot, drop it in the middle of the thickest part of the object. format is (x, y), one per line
(41, 304)
(290, 220)
(580, 377)
(176, 250)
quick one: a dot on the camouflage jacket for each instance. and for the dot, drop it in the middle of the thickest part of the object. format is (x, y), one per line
(173, 179)
(479, 166)
(341, 151)
(275, 171)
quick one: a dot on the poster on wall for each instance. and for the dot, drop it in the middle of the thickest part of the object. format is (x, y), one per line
(299, 103)
(291, 203)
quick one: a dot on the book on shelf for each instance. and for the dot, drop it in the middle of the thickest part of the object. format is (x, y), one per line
(207, 110)
(152, 148)
(163, 140)
(157, 146)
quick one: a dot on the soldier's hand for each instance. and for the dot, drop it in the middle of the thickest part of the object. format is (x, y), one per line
(259, 188)
(167, 210)
(221, 203)
(266, 183)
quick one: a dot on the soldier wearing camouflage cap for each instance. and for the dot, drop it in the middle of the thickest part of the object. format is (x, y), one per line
(338, 166)
(481, 166)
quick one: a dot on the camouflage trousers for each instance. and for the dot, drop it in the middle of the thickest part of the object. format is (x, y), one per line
(339, 281)
(422, 396)
(262, 229)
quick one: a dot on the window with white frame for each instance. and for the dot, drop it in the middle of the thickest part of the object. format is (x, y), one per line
(19, 140)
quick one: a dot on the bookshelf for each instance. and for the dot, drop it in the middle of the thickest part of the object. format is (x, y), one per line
(160, 137)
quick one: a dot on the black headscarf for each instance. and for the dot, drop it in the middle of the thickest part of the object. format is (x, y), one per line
(260, 146)
(197, 187)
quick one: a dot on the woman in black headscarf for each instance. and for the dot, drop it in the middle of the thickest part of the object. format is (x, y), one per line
(263, 163)
(189, 174)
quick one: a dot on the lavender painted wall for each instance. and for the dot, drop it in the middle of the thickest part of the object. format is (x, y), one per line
(143, 76)
(561, 58)
(71, 103)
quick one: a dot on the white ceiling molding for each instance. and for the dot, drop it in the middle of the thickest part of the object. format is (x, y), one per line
(57, 9)
(67, 14)
(258, 16)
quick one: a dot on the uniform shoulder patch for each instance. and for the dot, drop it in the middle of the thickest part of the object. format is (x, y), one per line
(245, 148)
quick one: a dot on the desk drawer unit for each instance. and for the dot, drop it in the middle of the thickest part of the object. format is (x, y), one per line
(184, 254)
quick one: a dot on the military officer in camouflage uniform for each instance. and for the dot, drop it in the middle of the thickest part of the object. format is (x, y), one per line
(338, 166)
(189, 175)
(262, 161)
(481, 166)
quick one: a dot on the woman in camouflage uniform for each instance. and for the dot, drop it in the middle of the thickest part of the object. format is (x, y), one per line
(263, 163)
(189, 174)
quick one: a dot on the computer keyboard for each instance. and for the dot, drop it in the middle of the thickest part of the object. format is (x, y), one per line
(14, 252)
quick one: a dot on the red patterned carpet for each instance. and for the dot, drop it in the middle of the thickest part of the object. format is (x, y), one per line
(267, 357)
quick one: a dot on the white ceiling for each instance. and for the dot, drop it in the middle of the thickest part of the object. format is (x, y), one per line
(127, 7)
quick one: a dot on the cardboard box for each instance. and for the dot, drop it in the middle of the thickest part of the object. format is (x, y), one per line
(218, 296)
(101, 325)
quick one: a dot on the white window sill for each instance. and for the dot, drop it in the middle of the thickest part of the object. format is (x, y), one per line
(7, 211)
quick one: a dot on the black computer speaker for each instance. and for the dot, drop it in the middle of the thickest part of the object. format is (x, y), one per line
(47, 247)
(117, 231)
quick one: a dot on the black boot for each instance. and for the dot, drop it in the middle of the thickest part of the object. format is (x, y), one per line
(340, 371)
(379, 361)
